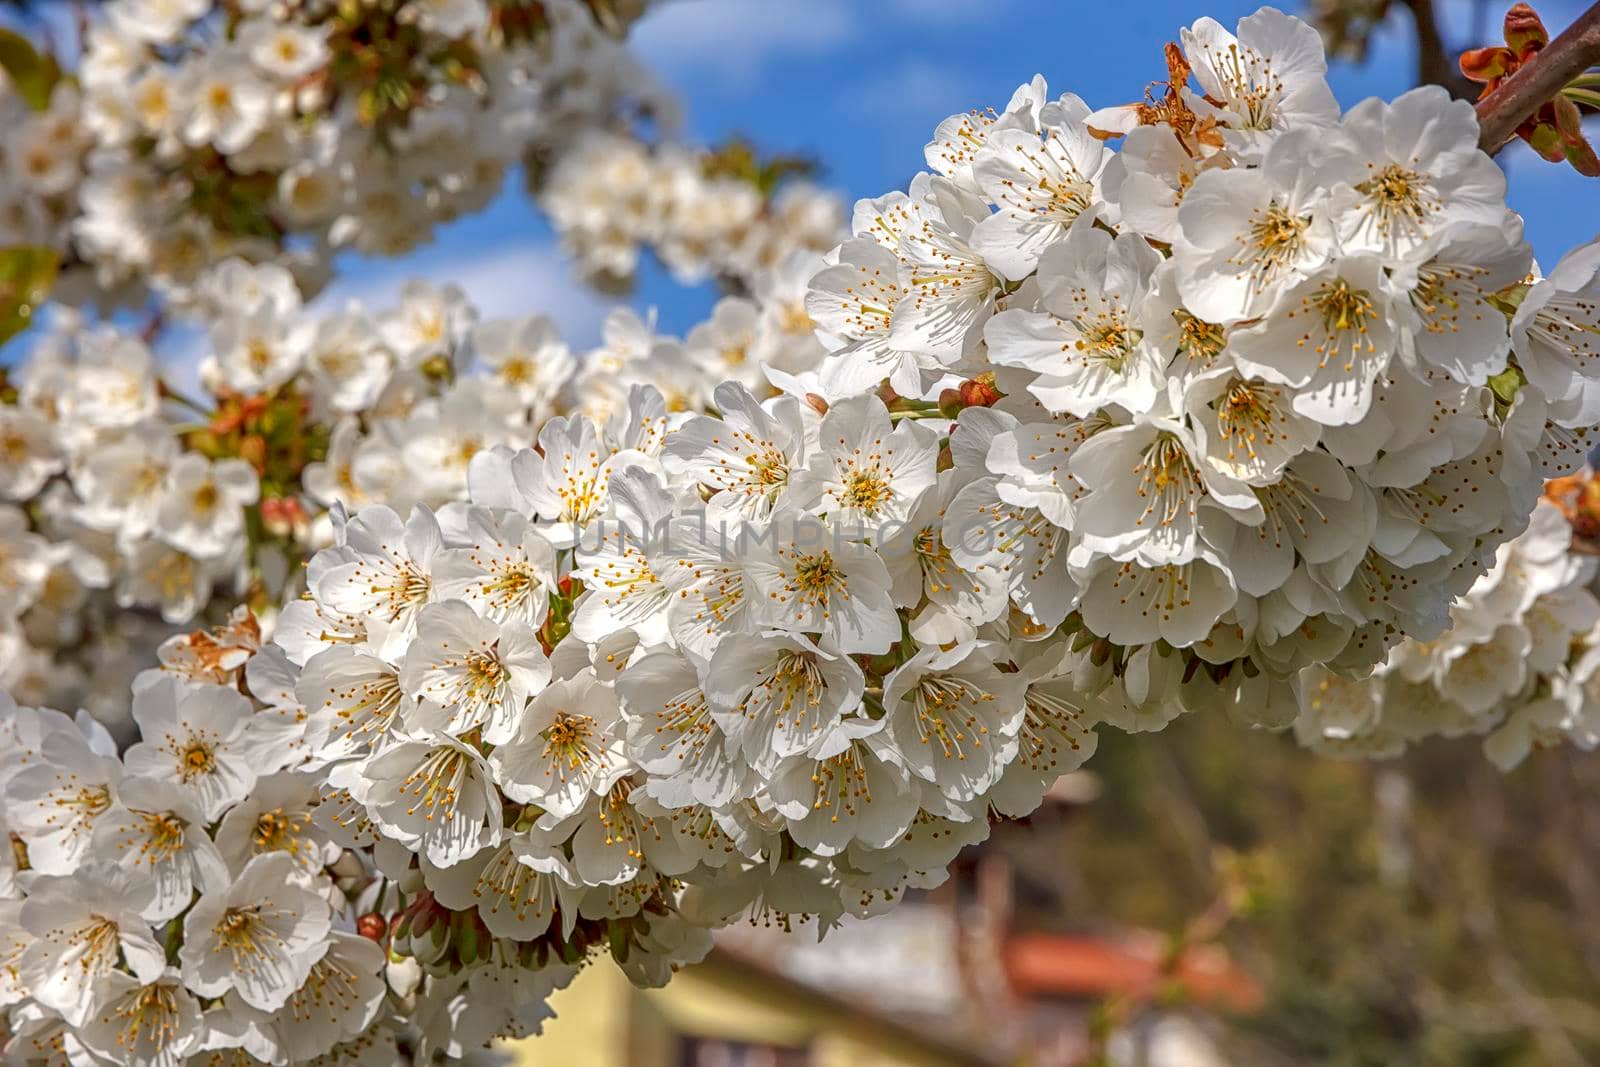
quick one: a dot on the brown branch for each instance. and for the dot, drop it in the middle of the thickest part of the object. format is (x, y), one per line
(1574, 51)
(1436, 63)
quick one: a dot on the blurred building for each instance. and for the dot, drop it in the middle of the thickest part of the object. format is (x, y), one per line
(964, 976)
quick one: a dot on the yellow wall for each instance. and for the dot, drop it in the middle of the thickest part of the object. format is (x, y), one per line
(602, 1021)
(590, 1026)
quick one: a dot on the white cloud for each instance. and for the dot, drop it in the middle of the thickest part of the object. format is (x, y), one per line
(502, 282)
(948, 11)
(733, 39)
(178, 352)
(914, 93)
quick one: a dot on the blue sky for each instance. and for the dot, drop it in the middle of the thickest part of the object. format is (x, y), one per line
(860, 86)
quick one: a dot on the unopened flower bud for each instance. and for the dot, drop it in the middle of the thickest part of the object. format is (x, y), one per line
(404, 975)
(979, 392)
(372, 926)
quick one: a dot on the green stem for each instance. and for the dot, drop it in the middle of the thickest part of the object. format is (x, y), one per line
(189, 402)
(920, 413)
(1587, 97)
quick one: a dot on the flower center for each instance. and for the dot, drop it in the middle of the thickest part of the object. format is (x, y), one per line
(792, 690)
(1049, 725)
(98, 941)
(814, 576)
(794, 318)
(511, 584)
(1247, 411)
(87, 801)
(1276, 239)
(1346, 312)
(259, 356)
(567, 744)
(337, 362)
(437, 783)
(1168, 481)
(485, 673)
(1251, 87)
(841, 782)
(163, 836)
(1398, 199)
(1107, 339)
(933, 556)
(517, 370)
(150, 1019)
(279, 831)
(1201, 341)
(866, 490)
(172, 573)
(945, 717)
(195, 759)
(244, 933)
(687, 718)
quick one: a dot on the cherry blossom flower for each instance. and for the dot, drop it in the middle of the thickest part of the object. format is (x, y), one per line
(258, 937)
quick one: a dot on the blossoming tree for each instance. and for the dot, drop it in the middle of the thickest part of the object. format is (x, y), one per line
(472, 659)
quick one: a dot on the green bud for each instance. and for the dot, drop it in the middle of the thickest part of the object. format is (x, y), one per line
(1506, 384)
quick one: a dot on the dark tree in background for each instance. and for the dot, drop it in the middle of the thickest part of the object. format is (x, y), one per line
(1348, 27)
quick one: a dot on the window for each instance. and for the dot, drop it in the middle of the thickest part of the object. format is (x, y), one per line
(715, 1052)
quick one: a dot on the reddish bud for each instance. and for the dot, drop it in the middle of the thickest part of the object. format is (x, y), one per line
(979, 392)
(253, 450)
(1485, 65)
(282, 513)
(372, 926)
(1524, 30)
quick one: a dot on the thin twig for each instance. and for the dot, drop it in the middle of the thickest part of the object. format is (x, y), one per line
(1573, 51)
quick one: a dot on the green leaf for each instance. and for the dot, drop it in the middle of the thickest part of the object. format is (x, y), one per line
(33, 74)
(1569, 124)
(26, 275)
(1507, 383)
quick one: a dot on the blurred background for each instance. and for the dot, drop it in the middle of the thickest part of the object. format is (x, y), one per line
(1200, 898)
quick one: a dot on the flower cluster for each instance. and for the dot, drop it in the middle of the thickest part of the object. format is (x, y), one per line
(641, 673)
(43, 167)
(101, 510)
(283, 131)
(438, 386)
(610, 196)
(1519, 663)
(127, 509)
(597, 652)
(189, 901)
(1275, 386)
(1098, 438)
